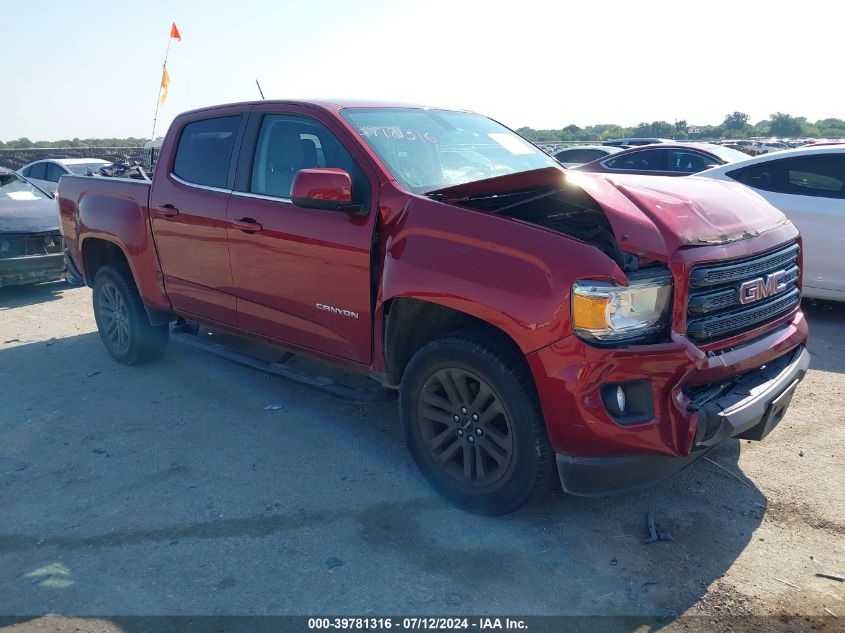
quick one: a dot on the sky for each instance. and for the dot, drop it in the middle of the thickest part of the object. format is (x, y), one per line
(92, 69)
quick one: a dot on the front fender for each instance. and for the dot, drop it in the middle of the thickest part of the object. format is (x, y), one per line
(510, 274)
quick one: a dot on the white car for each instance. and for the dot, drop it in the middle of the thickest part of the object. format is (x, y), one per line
(764, 147)
(808, 185)
(46, 173)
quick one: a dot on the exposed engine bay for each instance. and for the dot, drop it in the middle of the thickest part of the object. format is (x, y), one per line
(568, 210)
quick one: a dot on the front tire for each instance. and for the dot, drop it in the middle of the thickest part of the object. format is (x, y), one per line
(122, 321)
(474, 426)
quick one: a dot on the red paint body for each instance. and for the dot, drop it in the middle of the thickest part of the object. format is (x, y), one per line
(193, 254)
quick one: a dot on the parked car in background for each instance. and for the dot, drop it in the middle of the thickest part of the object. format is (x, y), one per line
(540, 324)
(771, 145)
(665, 159)
(635, 142)
(574, 156)
(46, 173)
(31, 246)
(808, 185)
(739, 145)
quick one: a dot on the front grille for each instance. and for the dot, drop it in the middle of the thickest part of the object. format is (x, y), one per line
(714, 309)
(46, 243)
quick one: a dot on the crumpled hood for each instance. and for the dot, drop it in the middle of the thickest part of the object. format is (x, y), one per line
(660, 214)
(651, 216)
(29, 216)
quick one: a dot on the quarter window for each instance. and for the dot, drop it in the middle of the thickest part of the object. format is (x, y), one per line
(205, 151)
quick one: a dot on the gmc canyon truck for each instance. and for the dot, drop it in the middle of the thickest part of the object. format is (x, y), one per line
(539, 325)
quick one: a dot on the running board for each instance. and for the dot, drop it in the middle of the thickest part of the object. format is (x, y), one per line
(323, 383)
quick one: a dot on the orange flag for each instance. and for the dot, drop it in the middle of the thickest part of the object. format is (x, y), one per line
(165, 83)
(174, 32)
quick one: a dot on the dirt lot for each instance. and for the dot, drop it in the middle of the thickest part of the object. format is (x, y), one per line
(171, 488)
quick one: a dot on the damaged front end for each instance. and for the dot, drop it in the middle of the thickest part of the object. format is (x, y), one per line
(543, 198)
(31, 258)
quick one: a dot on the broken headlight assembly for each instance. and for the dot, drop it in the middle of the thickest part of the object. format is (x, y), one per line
(606, 312)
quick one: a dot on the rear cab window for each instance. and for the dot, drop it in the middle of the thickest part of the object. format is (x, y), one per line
(205, 149)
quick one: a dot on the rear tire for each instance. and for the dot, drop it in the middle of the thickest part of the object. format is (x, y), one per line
(123, 323)
(473, 424)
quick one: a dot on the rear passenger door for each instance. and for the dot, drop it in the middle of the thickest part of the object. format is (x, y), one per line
(188, 214)
(304, 276)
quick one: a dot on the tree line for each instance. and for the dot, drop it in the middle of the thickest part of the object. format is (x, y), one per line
(25, 143)
(736, 125)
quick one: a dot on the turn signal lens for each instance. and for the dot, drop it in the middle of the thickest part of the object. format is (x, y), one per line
(589, 313)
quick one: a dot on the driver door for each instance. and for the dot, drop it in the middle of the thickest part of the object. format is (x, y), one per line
(301, 276)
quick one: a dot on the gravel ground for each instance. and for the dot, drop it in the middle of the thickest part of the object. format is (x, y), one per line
(171, 489)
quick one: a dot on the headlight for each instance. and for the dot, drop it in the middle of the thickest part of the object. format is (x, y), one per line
(605, 311)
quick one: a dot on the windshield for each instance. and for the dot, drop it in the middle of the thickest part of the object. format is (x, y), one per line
(13, 187)
(83, 168)
(426, 150)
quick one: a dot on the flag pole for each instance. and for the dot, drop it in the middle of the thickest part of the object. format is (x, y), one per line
(158, 99)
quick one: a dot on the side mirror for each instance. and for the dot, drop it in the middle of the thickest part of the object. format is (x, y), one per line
(323, 188)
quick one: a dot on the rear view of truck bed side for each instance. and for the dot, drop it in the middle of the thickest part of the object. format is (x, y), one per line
(106, 220)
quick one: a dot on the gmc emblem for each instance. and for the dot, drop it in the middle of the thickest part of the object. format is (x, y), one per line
(756, 289)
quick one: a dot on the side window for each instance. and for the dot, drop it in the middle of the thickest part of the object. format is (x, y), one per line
(820, 176)
(25, 172)
(54, 172)
(766, 176)
(643, 160)
(205, 150)
(287, 144)
(689, 162)
(38, 171)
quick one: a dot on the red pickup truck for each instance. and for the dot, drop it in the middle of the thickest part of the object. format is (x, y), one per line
(538, 324)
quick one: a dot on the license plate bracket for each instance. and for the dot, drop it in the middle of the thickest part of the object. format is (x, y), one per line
(773, 415)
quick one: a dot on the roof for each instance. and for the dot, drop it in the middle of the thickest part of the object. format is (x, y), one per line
(604, 148)
(332, 105)
(79, 161)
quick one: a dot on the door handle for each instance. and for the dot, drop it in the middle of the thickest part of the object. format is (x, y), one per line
(247, 225)
(167, 211)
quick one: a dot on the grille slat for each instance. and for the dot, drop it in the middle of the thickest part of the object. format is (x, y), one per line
(742, 270)
(714, 308)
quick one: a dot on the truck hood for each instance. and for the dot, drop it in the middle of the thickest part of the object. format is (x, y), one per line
(651, 216)
(29, 216)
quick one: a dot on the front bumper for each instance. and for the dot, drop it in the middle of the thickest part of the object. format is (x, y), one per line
(748, 407)
(31, 269)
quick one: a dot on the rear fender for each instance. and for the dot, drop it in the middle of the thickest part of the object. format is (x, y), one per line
(124, 223)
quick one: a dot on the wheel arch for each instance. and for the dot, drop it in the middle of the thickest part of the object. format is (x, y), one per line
(98, 252)
(410, 323)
